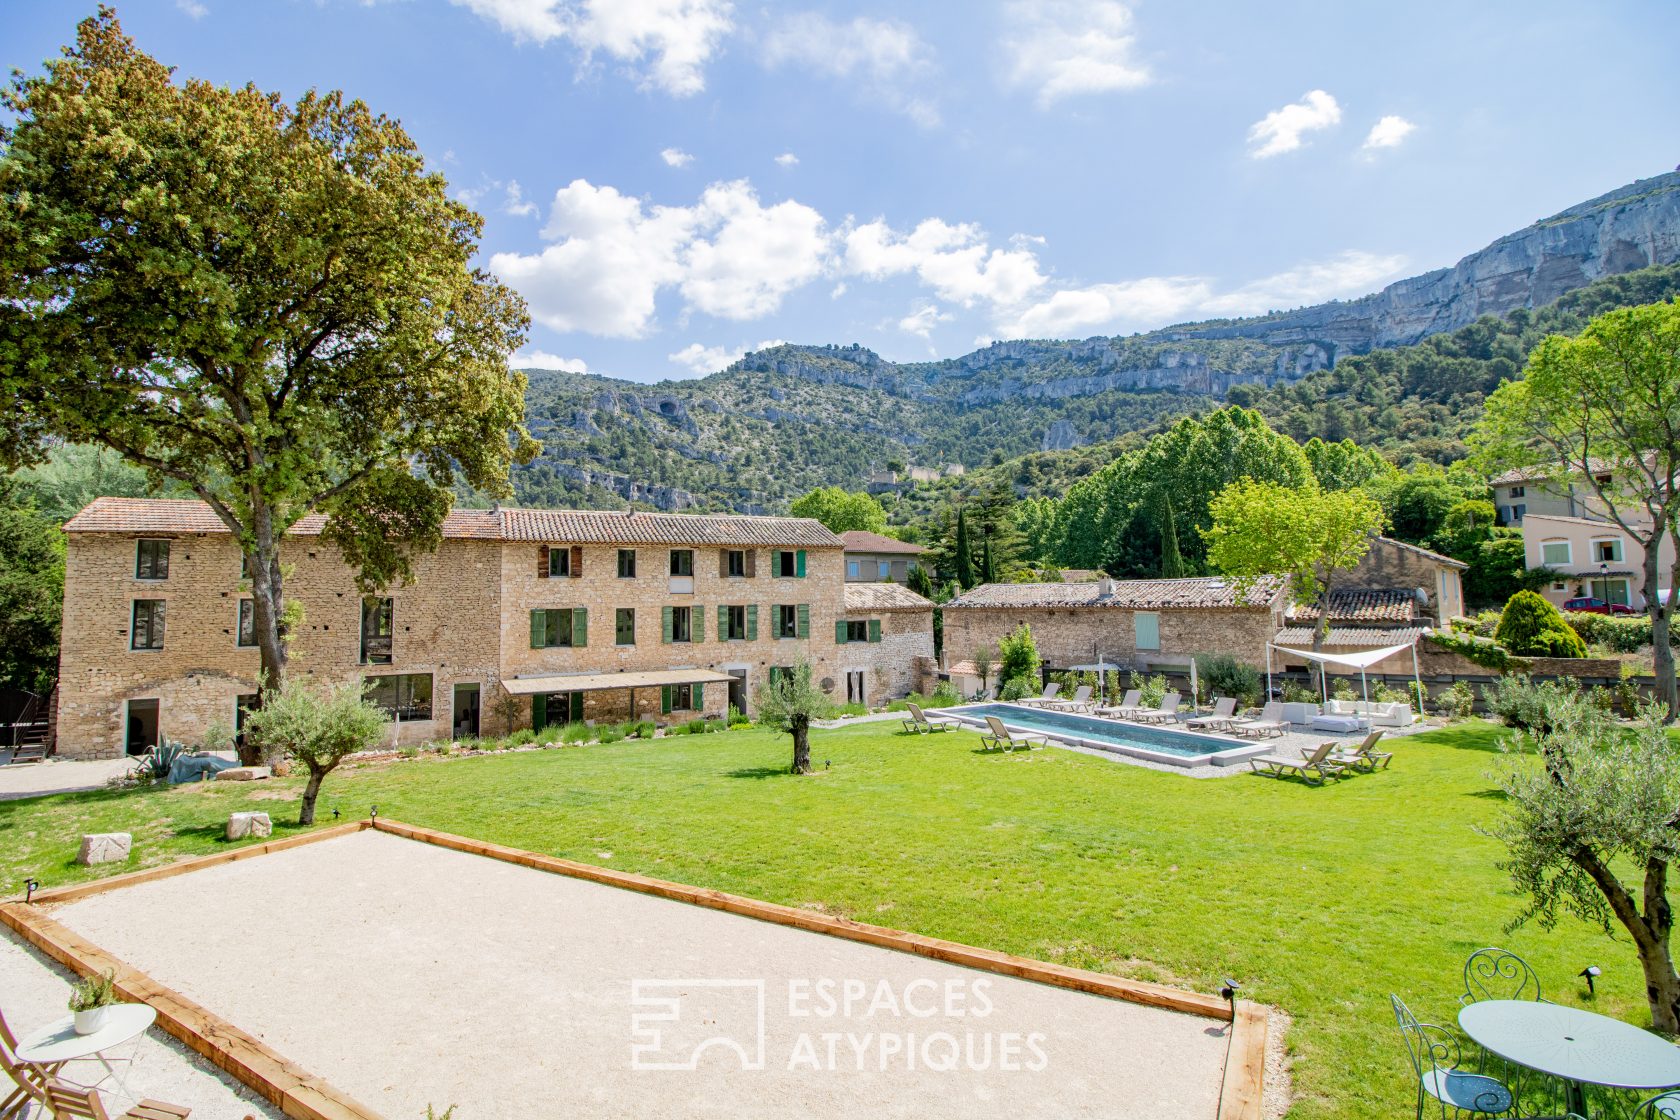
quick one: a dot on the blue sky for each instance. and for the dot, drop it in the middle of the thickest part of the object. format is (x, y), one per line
(669, 182)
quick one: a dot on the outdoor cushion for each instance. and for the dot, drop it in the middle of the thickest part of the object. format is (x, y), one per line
(1468, 1091)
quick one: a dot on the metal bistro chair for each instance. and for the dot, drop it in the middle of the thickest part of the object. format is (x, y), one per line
(1435, 1061)
(1494, 973)
(1663, 1106)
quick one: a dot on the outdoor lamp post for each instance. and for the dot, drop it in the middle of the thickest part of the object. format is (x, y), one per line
(1604, 582)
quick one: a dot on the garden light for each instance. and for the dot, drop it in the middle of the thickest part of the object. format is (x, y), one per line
(1587, 974)
(30, 886)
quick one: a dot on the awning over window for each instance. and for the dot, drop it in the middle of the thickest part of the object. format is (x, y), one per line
(598, 682)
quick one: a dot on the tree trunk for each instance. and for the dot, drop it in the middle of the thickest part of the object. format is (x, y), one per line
(1650, 931)
(267, 609)
(801, 745)
(306, 812)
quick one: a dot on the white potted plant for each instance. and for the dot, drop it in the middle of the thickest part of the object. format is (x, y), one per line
(91, 998)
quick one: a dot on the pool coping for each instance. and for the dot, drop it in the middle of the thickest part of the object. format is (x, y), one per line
(304, 1096)
(1236, 755)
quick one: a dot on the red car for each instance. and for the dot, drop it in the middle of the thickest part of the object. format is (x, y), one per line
(1597, 606)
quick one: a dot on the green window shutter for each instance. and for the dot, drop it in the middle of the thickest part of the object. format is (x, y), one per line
(723, 623)
(804, 620)
(752, 622)
(700, 697)
(840, 632)
(697, 624)
(580, 626)
(799, 563)
(539, 629)
(665, 622)
(665, 695)
(539, 712)
(577, 707)
(874, 629)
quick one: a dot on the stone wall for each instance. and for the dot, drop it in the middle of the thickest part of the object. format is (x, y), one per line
(889, 665)
(1389, 565)
(1080, 635)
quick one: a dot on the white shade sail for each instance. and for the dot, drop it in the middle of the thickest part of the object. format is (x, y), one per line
(1364, 659)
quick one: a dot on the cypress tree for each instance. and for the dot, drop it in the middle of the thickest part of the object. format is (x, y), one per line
(988, 571)
(1172, 561)
(964, 557)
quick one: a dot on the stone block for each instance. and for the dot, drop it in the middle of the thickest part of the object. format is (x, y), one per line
(105, 847)
(245, 774)
(248, 826)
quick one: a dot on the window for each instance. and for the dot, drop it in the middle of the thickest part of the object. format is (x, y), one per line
(1517, 492)
(247, 623)
(854, 569)
(790, 565)
(1555, 554)
(555, 627)
(734, 562)
(735, 624)
(624, 627)
(883, 569)
(682, 697)
(559, 561)
(779, 673)
(682, 624)
(682, 561)
(1607, 551)
(1147, 626)
(1518, 511)
(376, 631)
(147, 630)
(151, 560)
(405, 695)
(626, 563)
(901, 570)
(857, 631)
(787, 621)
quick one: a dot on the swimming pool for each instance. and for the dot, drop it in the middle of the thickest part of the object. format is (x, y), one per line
(1156, 744)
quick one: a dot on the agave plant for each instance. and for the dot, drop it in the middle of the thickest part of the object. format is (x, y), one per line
(155, 764)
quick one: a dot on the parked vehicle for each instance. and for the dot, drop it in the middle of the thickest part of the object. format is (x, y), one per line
(1591, 605)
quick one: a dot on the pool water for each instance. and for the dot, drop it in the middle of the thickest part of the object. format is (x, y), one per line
(1157, 744)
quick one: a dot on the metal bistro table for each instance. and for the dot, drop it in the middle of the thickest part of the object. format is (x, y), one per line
(58, 1042)
(1577, 1047)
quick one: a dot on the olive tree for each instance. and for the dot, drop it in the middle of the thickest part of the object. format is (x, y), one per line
(316, 728)
(1592, 830)
(789, 703)
(270, 305)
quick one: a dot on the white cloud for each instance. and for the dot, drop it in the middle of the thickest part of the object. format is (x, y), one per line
(1388, 133)
(839, 290)
(702, 360)
(885, 58)
(787, 159)
(1281, 130)
(1156, 301)
(542, 359)
(667, 43)
(956, 261)
(516, 204)
(192, 8)
(676, 157)
(728, 255)
(923, 318)
(1062, 48)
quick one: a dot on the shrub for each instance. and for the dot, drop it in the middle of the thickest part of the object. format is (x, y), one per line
(1151, 691)
(1532, 627)
(575, 733)
(1525, 705)
(519, 738)
(549, 735)
(1478, 651)
(1018, 688)
(1613, 633)
(1224, 675)
(1294, 693)
(611, 733)
(1343, 690)
(944, 695)
(1457, 702)
(643, 729)
(1018, 656)
(409, 752)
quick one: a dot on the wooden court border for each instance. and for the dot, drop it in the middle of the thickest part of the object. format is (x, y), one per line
(305, 1097)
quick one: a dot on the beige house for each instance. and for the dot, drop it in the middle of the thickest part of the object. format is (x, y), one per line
(1397, 568)
(572, 615)
(1138, 624)
(872, 557)
(1595, 558)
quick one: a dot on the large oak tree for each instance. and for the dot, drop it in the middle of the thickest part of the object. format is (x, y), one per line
(272, 304)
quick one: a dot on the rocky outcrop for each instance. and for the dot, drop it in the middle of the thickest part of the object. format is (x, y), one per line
(1060, 436)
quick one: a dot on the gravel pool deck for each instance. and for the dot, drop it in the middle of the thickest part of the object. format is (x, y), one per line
(407, 974)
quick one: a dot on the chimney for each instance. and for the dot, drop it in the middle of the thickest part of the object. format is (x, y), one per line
(1105, 588)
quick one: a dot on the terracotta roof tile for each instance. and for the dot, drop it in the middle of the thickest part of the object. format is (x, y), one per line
(861, 540)
(1350, 637)
(1132, 594)
(884, 597)
(1365, 605)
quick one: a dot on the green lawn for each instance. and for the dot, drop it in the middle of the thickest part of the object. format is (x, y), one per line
(1320, 901)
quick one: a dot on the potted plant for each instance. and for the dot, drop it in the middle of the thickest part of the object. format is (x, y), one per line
(91, 999)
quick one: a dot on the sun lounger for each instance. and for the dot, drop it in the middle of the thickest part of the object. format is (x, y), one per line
(1167, 712)
(1270, 722)
(1006, 740)
(921, 724)
(1128, 703)
(1224, 708)
(1079, 701)
(1363, 757)
(1314, 769)
(1050, 691)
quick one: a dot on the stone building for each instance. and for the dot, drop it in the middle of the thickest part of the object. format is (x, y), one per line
(541, 615)
(1399, 568)
(1138, 624)
(887, 631)
(872, 557)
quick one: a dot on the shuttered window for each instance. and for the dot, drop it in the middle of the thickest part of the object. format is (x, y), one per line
(557, 627)
(787, 621)
(624, 627)
(790, 565)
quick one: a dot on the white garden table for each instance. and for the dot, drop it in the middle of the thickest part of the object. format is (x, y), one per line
(58, 1042)
(1577, 1047)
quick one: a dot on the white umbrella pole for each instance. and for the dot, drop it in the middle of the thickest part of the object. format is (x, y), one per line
(1194, 691)
(1268, 699)
(1417, 678)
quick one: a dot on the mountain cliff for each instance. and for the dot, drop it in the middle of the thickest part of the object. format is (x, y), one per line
(783, 420)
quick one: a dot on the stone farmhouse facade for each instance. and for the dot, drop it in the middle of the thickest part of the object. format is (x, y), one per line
(544, 615)
(1133, 624)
